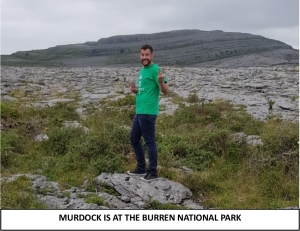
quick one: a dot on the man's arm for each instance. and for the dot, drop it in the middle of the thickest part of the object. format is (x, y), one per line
(162, 85)
(133, 88)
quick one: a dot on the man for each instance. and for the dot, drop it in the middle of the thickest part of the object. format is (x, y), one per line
(147, 88)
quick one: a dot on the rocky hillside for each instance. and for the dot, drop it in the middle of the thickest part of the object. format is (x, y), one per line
(173, 48)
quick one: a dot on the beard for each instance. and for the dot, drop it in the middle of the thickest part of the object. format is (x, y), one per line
(146, 62)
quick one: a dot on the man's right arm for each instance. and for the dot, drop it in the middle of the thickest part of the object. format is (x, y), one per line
(133, 88)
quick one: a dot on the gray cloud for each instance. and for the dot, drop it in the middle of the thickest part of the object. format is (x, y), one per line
(32, 24)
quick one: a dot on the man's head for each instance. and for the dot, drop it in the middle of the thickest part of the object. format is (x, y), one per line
(146, 55)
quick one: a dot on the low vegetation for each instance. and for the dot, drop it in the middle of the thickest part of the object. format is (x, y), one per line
(18, 195)
(153, 204)
(227, 174)
(93, 199)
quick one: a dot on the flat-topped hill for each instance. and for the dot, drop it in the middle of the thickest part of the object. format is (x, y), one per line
(173, 48)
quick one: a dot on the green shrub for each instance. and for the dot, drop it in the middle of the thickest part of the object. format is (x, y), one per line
(62, 111)
(209, 112)
(119, 139)
(240, 121)
(216, 141)
(280, 137)
(272, 181)
(82, 152)
(60, 139)
(108, 163)
(12, 145)
(194, 182)
(198, 159)
(9, 110)
(91, 146)
(177, 147)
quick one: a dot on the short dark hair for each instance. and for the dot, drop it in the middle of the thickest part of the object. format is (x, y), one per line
(146, 46)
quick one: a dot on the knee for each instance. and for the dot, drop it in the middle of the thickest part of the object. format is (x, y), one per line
(134, 140)
(150, 142)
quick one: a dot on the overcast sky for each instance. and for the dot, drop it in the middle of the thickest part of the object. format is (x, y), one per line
(40, 24)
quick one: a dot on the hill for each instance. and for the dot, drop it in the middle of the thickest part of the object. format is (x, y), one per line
(174, 48)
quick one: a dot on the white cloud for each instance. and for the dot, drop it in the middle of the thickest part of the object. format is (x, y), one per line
(288, 35)
(32, 24)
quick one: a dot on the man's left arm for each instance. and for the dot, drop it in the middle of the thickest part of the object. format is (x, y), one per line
(163, 87)
(162, 81)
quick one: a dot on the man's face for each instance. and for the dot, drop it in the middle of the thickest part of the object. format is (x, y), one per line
(146, 57)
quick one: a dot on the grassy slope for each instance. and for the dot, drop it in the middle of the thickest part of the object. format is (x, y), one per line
(226, 174)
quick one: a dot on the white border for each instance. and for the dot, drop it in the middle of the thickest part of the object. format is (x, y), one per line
(250, 220)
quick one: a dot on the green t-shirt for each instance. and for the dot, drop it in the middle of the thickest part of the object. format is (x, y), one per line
(147, 98)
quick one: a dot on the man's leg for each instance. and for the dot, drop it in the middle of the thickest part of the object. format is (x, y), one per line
(148, 132)
(135, 140)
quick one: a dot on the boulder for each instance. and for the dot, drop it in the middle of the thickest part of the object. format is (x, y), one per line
(162, 190)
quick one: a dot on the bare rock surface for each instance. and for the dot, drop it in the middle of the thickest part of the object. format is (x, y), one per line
(254, 87)
(161, 190)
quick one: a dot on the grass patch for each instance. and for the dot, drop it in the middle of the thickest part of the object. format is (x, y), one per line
(94, 199)
(125, 101)
(193, 98)
(154, 204)
(104, 187)
(19, 195)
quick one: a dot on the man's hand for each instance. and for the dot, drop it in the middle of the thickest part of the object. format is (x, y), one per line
(161, 75)
(133, 88)
(163, 86)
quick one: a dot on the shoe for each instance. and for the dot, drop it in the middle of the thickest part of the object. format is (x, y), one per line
(149, 177)
(137, 172)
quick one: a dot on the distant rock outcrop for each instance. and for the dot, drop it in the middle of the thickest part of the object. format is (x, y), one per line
(174, 48)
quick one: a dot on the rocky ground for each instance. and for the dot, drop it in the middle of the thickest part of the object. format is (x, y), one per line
(125, 192)
(128, 193)
(257, 88)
